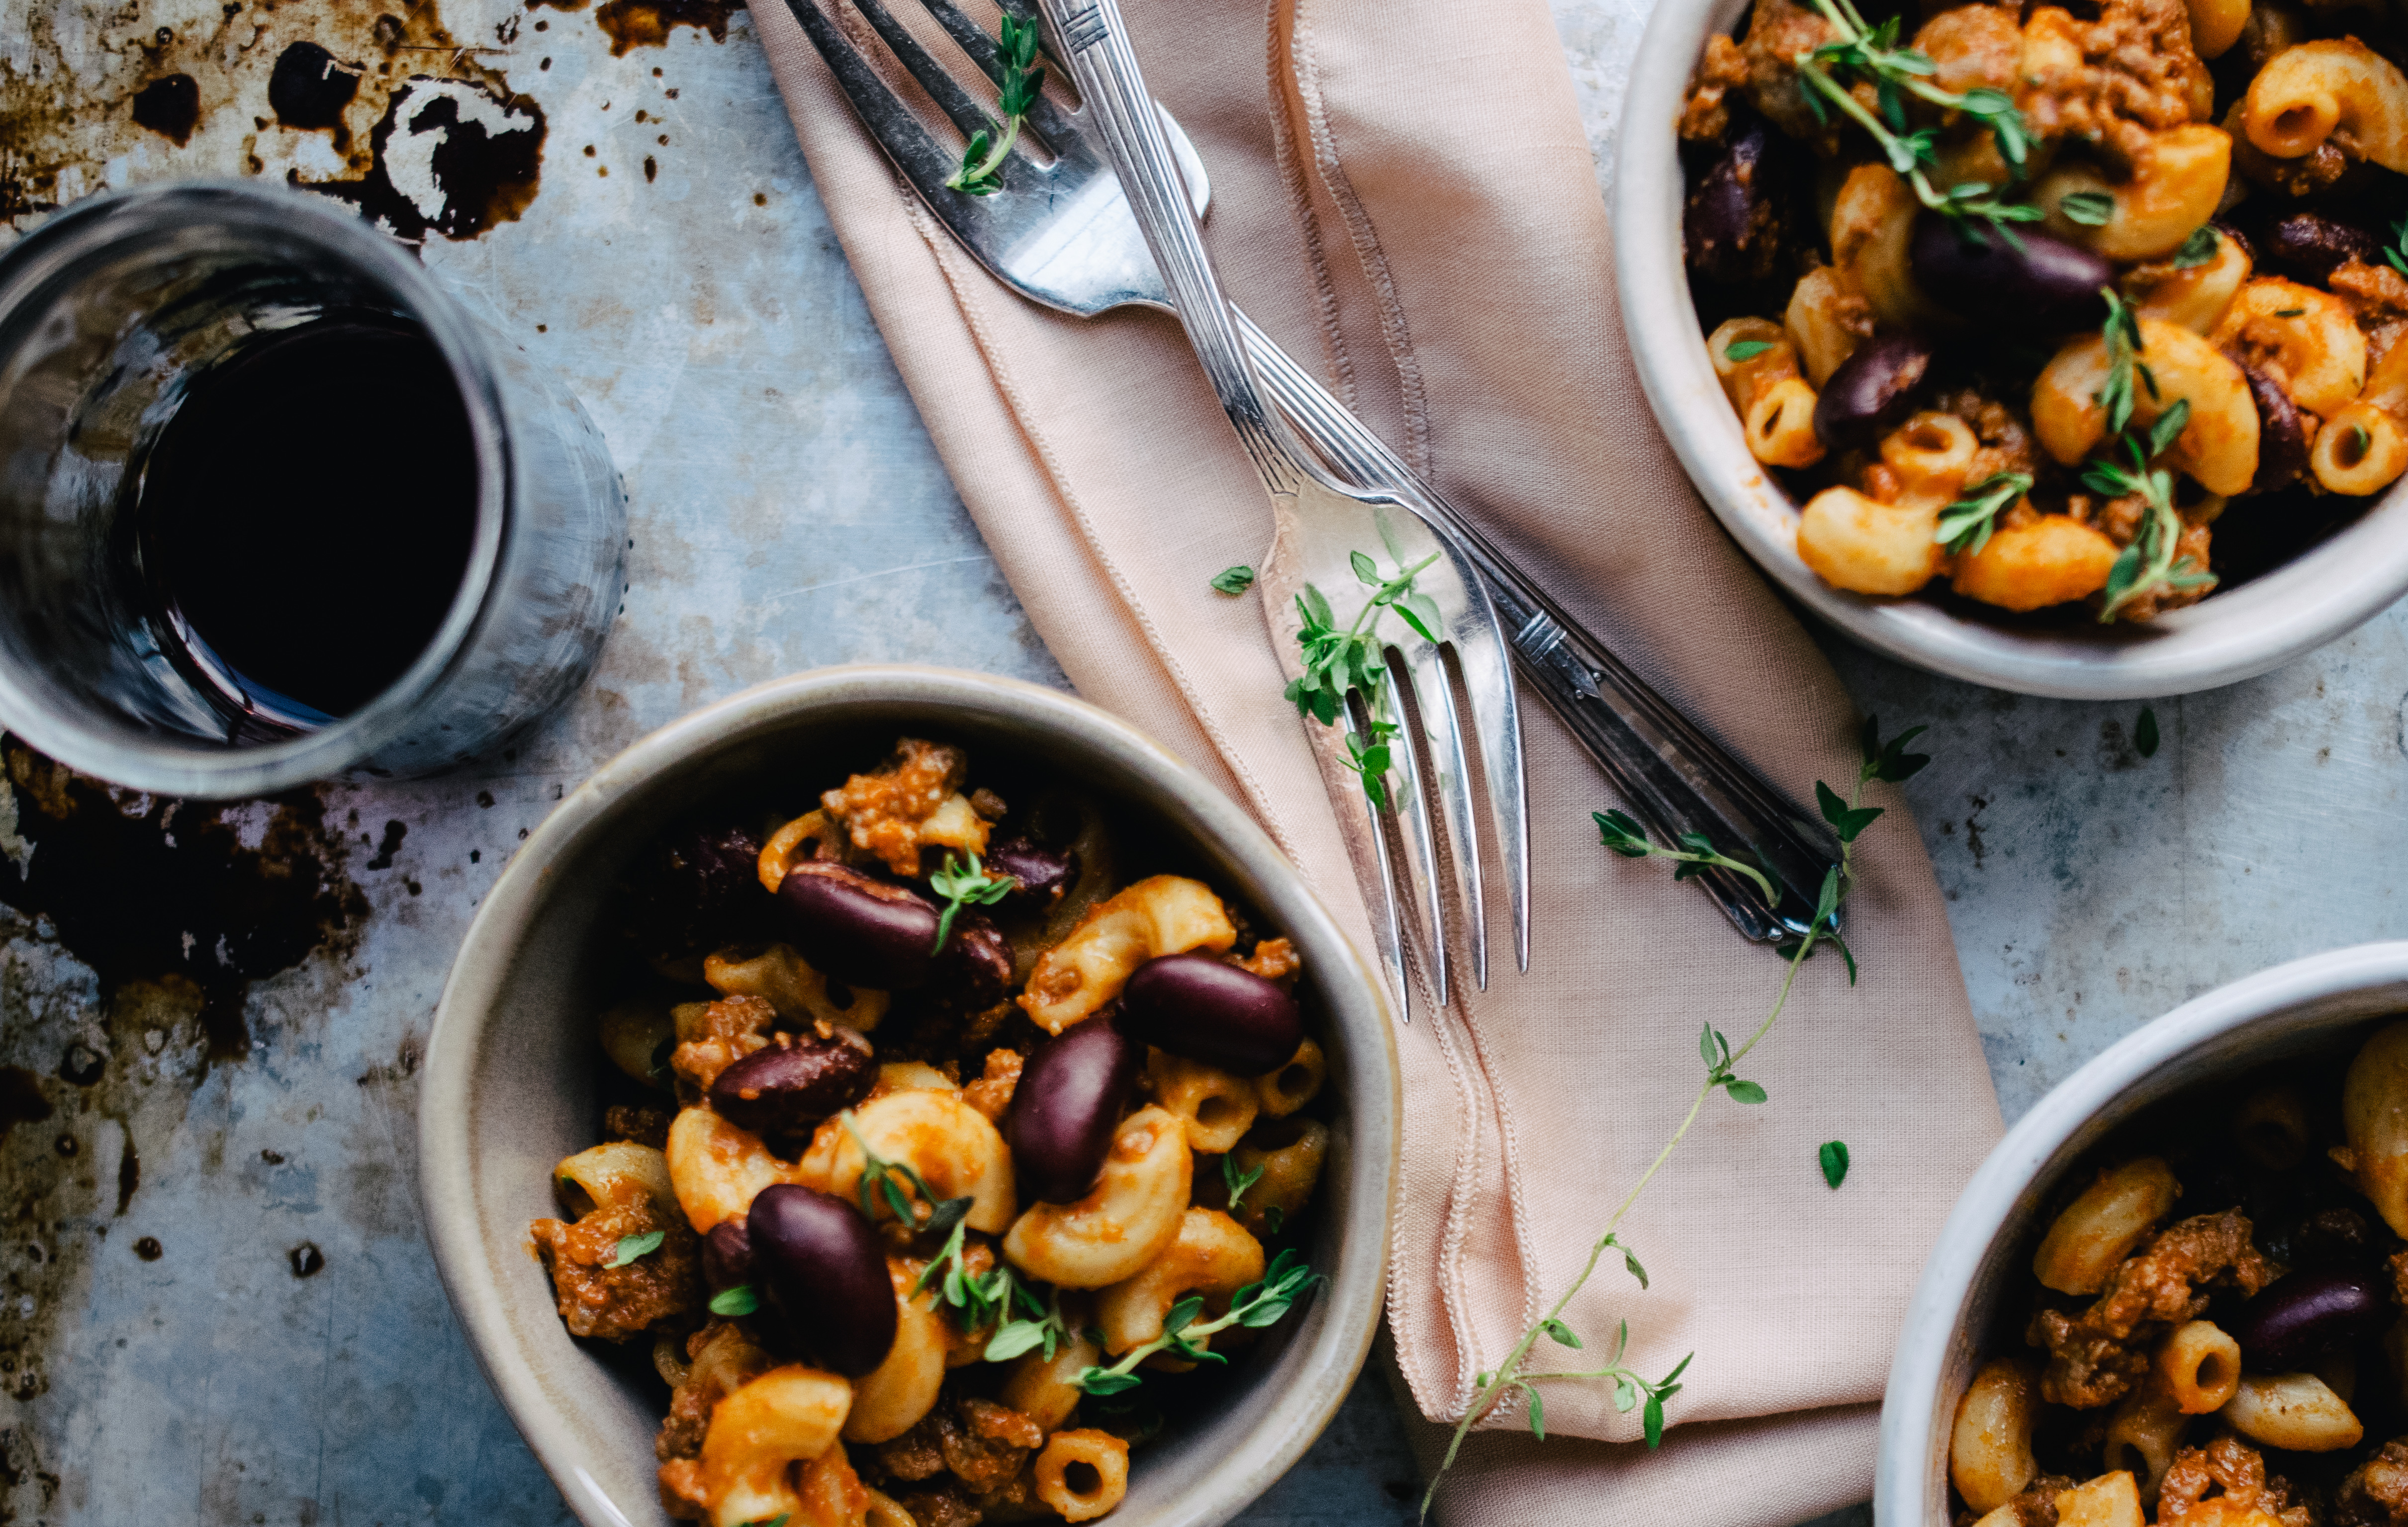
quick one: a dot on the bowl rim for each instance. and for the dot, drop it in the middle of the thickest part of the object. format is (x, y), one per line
(1355, 1294)
(1909, 1417)
(2309, 601)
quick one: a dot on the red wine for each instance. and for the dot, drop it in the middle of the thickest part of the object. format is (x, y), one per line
(306, 517)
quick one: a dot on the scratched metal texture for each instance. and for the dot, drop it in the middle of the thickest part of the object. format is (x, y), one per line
(787, 511)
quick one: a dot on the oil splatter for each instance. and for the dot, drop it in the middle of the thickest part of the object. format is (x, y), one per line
(646, 23)
(311, 88)
(149, 1248)
(129, 1173)
(393, 832)
(82, 1064)
(307, 1260)
(450, 157)
(20, 1098)
(213, 913)
(170, 106)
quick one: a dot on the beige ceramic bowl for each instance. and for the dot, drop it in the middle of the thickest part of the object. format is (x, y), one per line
(2327, 1002)
(511, 1065)
(2297, 607)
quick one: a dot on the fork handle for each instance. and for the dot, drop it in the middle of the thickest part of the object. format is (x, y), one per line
(1673, 776)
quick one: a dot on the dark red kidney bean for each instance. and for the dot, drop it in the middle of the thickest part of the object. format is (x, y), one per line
(975, 969)
(1066, 1108)
(1872, 391)
(2307, 1314)
(2311, 246)
(862, 932)
(1730, 228)
(2045, 282)
(698, 886)
(1193, 1004)
(726, 1256)
(1044, 873)
(792, 1084)
(823, 1271)
(2281, 440)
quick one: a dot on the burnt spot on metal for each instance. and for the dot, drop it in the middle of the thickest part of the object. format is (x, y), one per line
(427, 134)
(82, 1064)
(214, 913)
(170, 106)
(393, 832)
(647, 23)
(311, 87)
(149, 1248)
(307, 1260)
(20, 1098)
(452, 157)
(129, 1172)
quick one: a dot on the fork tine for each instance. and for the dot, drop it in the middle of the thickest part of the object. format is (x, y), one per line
(890, 120)
(1052, 124)
(1412, 804)
(934, 78)
(1451, 774)
(1387, 924)
(1497, 720)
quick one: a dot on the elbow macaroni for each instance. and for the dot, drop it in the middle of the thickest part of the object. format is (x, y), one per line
(2144, 1433)
(1165, 914)
(1817, 323)
(890, 1399)
(1990, 1445)
(781, 978)
(2295, 1411)
(1211, 1256)
(1082, 1474)
(1281, 1093)
(2374, 1117)
(1216, 1108)
(1130, 1217)
(2104, 1225)
(2308, 340)
(2199, 1367)
(1872, 225)
(2218, 447)
(2176, 185)
(953, 1147)
(718, 1168)
(2317, 90)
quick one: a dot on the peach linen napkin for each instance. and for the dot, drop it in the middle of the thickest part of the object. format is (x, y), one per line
(1403, 195)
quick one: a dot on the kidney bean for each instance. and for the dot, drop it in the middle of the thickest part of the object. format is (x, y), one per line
(793, 1084)
(975, 969)
(1730, 228)
(1194, 1006)
(2305, 1316)
(825, 1272)
(860, 930)
(1065, 1107)
(1044, 873)
(1872, 392)
(2281, 440)
(2311, 246)
(2045, 282)
(726, 1256)
(696, 886)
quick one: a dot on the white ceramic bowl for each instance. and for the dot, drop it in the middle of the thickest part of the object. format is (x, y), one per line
(2306, 1006)
(2221, 640)
(510, 1070)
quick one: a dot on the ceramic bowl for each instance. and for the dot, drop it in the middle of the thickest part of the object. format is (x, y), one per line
(2310, 1006)
(2228, 638)
(510, 1070)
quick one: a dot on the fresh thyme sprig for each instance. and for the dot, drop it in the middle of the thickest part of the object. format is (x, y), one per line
(895, 1181)
(2122, 334)
(981, 171)
(630, 1248)
(1259, 1304)
(2148, 564)
(2396, 252)
(1873, 54)
(1237, 1182)
(1889, 762)
(971, 887)
(2199, 249)
(1694, 856)
(1965, 526)
(1350, 659)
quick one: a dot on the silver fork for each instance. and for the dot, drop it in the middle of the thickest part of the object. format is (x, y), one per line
(1064, 235)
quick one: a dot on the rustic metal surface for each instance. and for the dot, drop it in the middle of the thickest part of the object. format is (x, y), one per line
(215, 1304)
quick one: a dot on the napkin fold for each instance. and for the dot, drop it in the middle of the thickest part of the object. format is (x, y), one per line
(1403, 195)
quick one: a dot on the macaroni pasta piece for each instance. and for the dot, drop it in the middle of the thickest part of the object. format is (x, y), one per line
(788, 1415)
(2193, 296)
(952, 1146)
(2144, 1431)
(1164, 914)
(2200, 1366)
(1131, 1217)
(1824, 323)
(2176, 182)
(2218, 447)
(2298, 1412)
(1211, 1256)
(1082, 1474)
(1989, 1447)
(2104, 1225)
(2044, 561)
(2304, 338)
(781, 977)
(890, 1399)
(717, 1168)
(1283, 1091)
(1872, 223)
(2335, 88)
(1216, 1108)
(2374, 1117)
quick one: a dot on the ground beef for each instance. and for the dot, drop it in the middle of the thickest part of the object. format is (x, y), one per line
(2006, 440)
(944, 1506)
(992, 1092)
(2378, 297)
(639, 1125)
(917, 1454)
(2112, 82)
(1705, 117)
(1777, 32)
(987, 1445)
(2226, 1470)
(727, 1031)
(2375, 1493)
(2036, 1506)
(723, 1358)
(2095, 1357)
(883, 812)
(2317, 170)
(1974, 47)
(1273, 960)
(615, 1303)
